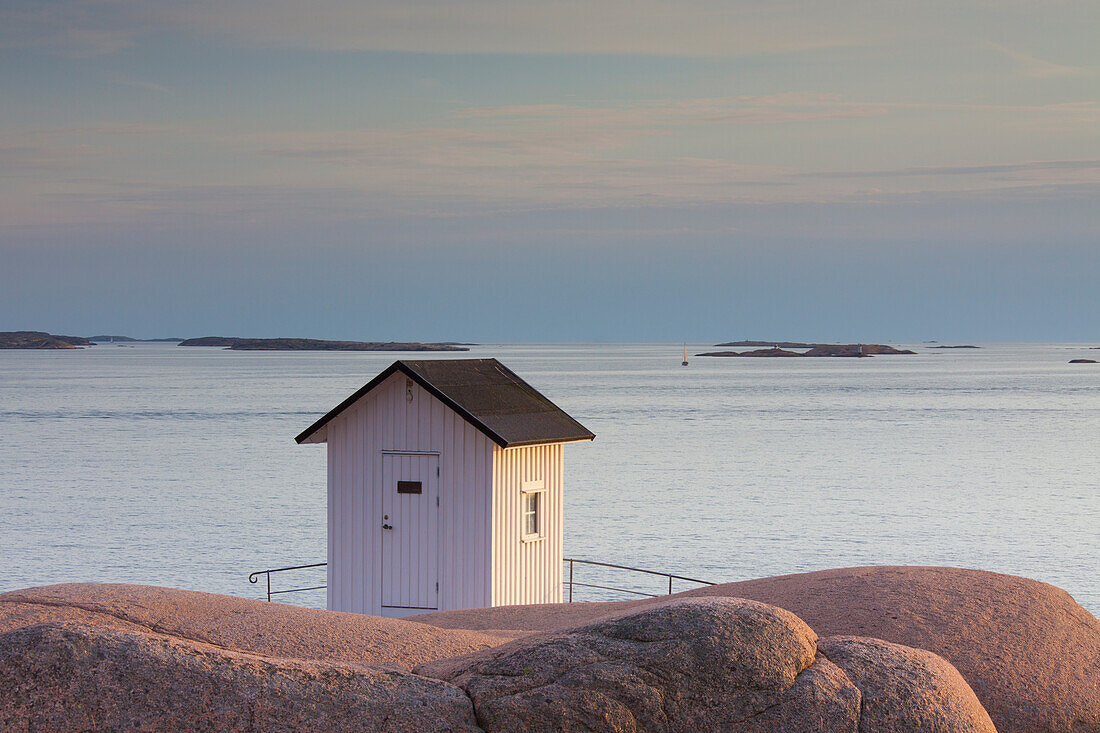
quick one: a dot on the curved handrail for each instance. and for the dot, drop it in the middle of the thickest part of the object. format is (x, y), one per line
(254, 577)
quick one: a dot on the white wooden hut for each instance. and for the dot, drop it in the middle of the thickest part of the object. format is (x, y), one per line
(445, 490)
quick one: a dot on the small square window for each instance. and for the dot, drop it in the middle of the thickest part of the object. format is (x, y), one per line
(532, 515)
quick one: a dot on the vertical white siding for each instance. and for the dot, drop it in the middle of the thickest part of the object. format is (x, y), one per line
(334, 495)
(385, 420)
(527, 572)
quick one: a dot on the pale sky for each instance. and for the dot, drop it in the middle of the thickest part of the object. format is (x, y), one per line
(552, 170)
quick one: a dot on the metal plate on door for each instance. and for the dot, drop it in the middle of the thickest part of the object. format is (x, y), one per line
(410, 487)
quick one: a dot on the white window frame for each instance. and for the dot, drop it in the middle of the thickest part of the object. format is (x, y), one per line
(539, 488)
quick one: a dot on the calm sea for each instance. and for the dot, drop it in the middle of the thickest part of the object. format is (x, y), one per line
(177, 466)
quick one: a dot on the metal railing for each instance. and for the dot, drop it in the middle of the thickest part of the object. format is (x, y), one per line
(571, 582)
(255, 577)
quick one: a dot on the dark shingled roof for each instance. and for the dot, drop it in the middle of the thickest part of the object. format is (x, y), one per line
(486, 394)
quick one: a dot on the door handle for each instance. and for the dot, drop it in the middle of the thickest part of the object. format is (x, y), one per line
(387, 526)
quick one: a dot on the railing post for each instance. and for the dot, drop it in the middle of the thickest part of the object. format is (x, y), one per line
(268, 586)
(570, 581)
(670, 585)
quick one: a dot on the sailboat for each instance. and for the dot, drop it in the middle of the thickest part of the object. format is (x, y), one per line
(685, 361)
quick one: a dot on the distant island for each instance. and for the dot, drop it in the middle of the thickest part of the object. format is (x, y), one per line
(773, 344)
(1082, 361)
(131, 340)
(782, 349)
(294, 344)
(757, 352)
(41, 340)
(963, 346)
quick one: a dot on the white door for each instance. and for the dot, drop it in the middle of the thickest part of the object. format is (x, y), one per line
(410, 530)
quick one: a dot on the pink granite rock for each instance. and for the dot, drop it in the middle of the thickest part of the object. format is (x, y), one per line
(59, 677)
(690, 665)
(273, 629)
(906, 689)
(1030, 653)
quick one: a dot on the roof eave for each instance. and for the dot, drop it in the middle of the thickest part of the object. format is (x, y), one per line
(550, 441)
(355, 397)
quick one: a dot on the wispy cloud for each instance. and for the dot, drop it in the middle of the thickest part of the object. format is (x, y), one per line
(559, 154)
(745, 109)
(76, 28)
(505, 158)
(141, 84)
(518, 169)
(1036, 68)
(650, 27)
(1048, 166)
(18, 159)
(687, 28)
(576, 155)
